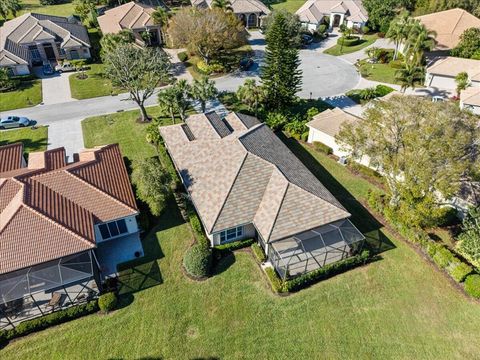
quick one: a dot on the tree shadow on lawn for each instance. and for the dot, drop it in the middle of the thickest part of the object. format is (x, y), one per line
(376, 240)
(223, 264)
(29, 145)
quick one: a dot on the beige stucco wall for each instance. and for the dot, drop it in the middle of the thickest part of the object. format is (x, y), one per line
(248, 233)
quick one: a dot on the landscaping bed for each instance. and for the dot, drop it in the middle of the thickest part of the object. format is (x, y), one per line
(364, 41)
(27, 94)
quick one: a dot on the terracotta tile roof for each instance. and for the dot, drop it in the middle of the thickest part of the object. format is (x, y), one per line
(11, 157)
(449, 26)
(49, 209)
(249, 176)
(330, 121)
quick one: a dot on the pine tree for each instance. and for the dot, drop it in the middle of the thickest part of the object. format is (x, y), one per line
(280, 75)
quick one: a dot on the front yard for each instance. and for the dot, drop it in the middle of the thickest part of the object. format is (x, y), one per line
(29, 93)
(32, 139)
(398, 307)
(365, 41)
(378, 72)
(96, 84)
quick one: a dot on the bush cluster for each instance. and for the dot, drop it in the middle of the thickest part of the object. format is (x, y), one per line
(274, 280)
(196, 225)
(258, 252)
(208, 69)
(198, 260)
(358, 95)
(326, 272)
(351, 41)
(322, 148)
(445, 259)
(364, 170)
(107, 302)
(472, 286)
(182, 56)
(40, 323)
(234, 245)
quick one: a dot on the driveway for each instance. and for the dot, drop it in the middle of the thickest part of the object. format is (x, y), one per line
(55, 88)
(323, 75)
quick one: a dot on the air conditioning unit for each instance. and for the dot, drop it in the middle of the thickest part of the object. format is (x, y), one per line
(343, 160)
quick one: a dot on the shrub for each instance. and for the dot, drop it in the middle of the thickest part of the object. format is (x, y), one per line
(46, 321)
(382, 90)
(322, 28)
(258, 252)
(459, 270)
(443, 257)
(304, 136)
(350, 41)
(234, 245)
(275, 281)
(107, 302)
(376, 200)
(446, 216)
(322, 148)
(365, 29)
(198, 260)
(197, 226)
(210, 68)
(364, 170)
(276, 121)
(472, 286)
(396, 64)
(182, 56)
(432, 248)
(327, 271)
(6, 82)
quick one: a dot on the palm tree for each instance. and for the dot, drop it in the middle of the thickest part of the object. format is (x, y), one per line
(9, 6)
(160, 17)
(462, 82)
(398, 31)
(251, 95)
(410, 75)
(203, 90)
(420, 39)
(182, 91)
(167, 100)
(225, 5)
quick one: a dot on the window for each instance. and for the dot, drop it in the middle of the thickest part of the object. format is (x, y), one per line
(34, 52)
(231, 234)
(112, 229)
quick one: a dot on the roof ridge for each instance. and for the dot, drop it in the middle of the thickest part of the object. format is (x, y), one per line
(318, 197)
(132, 4)
(229, 191)
(10, 205)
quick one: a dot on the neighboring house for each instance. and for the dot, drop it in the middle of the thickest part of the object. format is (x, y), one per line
(244, 182)
(326, 125)
(449, 25)
(32, 39)
(250, 12)
(63, 228)
(334, 13)
(470, 99)
(134, 16)
(442, 72)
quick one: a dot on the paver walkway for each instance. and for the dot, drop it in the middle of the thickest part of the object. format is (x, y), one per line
(179, 69)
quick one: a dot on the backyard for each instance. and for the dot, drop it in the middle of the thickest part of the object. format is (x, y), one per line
(65, 8)
(397, 307)
(28, 93)
(33, 139)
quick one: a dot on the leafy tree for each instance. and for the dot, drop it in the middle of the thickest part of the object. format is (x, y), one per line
(280, 73)
(151, 183)
(469, 44)
(293, 26)
(109, 42)
(276, 121)
(410, 75)
(431, 6)
(86, 10)
(6, 83)
(203, 90)
(137, 70)
(224, 5)
(167, 100)
(423, 148)
(470, 236)
(9, 7)
(206, 32)
(251, 95)
(462, 82)
(382, 12)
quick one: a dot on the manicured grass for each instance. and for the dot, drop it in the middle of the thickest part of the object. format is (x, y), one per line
(63, 9)
(28, 94)
(337, 50)
(97, 84)
(289, 5)
(378, 72)
(32, 139)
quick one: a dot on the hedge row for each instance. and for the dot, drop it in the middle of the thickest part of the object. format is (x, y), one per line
(364, 170)
(258, 252)
(40, 323)
(446, 260)
(275, 281)
(197, 227)
(234, 245)
(326, 272)
(351, 41)
(472, 285)
(322, 148)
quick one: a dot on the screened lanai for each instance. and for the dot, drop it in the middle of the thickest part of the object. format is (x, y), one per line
(315, 248)
(47, 287)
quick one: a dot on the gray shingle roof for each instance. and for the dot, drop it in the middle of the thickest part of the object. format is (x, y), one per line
(218, 124)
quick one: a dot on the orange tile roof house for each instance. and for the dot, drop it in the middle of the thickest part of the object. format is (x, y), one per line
(449, 26)
(63, 227)
(134, 16)
(244, 183)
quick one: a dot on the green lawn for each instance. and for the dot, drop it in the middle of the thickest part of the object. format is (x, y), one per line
(63, 9)
(32, 139)
(398, 307)
(337, 50)
(28, 94)
(289, 5)
(97, 84)
(378, 72)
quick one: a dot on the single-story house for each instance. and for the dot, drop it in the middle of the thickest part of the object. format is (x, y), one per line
(32, 39)
(63, 228)
(332, 12)
(442, 72)
(449, 25)
(470, 99)
(245, 183)
(134, 16)
(250, 12)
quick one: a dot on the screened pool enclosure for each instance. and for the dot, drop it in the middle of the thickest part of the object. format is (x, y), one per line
(47, 287)
(315, 248)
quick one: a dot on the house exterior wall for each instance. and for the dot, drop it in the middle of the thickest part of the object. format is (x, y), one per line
(17, 70)
(83, 53)
(249, 232)
(473, 108)
(131, 223)
(316, 135)
(441, 82)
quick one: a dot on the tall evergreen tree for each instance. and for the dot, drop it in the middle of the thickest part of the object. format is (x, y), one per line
(280, 74)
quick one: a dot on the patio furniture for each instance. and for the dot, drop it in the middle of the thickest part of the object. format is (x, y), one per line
(55, 300)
